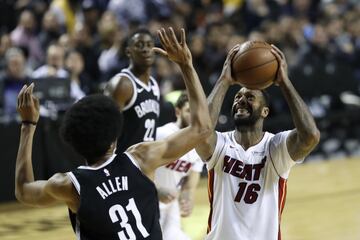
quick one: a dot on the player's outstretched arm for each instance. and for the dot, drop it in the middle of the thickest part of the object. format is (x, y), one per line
(206, 148)
(28, 191)
(306, 135)
(154, 154)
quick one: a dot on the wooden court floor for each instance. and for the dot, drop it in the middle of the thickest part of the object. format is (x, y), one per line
(323, 202)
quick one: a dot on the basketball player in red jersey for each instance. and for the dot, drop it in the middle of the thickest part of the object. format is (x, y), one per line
(248, 168)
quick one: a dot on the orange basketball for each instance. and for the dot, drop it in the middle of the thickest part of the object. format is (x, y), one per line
(254, 66)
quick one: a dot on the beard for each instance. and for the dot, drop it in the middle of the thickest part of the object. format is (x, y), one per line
(184, 123)
(248, 121)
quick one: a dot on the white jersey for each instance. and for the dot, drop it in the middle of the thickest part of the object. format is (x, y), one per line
(247, 188)
(170, 176)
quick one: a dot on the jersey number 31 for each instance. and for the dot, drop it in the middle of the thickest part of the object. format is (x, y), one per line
(117, 211)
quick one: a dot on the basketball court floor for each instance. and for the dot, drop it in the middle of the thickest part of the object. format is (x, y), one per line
(323, 202)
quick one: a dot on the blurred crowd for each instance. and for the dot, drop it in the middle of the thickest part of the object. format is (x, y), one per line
(83, 41)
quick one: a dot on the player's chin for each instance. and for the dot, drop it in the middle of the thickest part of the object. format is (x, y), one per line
(149, 61)
(241, 121)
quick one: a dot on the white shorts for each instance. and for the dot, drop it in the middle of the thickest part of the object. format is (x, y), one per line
(170, 221)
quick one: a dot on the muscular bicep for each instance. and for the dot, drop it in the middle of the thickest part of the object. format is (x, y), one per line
(120, 89)
(47, 192)
(206, 148)
(297, 148)
(151, 155)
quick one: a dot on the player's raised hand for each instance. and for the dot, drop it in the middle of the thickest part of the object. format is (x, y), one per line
(226, 71)
(177, 51)
(282, 74)
(28, 105)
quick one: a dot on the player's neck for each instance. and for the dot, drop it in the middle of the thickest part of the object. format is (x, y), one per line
(105, 157)
(248, 137)
(141, 73)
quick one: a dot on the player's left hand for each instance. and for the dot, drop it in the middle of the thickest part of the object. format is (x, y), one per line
(186, 204)
(166, 196)
(176, 51)
(282, 74)
(28, 105)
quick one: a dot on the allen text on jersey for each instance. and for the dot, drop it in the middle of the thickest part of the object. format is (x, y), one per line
(112, 186)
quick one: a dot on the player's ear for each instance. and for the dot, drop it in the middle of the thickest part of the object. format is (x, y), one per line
(177, 112)
(265, 112)
(127, 52)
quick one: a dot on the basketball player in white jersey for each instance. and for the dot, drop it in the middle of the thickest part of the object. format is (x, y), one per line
(248, 168)
(177, 181)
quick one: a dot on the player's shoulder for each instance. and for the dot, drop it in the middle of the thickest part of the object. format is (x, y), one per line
(117, 82)
(59, 181)
(278, 137)
(226, 136)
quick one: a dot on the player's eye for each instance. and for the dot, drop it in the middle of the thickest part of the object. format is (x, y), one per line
(140, 45)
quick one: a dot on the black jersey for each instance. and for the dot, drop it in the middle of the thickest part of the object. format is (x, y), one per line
(117, 201)
(141, 114)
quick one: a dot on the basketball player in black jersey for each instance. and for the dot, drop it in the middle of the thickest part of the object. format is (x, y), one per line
(136, 92)
(112, 196)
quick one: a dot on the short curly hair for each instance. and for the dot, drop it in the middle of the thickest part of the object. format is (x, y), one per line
(182, 100)
(91, 125)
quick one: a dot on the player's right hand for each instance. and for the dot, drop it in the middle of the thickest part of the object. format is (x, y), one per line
(226, 71)
(28, 105)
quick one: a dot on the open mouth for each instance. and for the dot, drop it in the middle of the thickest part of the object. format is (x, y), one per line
(242, 111)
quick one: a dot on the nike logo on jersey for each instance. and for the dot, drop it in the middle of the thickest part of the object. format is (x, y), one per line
(139, 90)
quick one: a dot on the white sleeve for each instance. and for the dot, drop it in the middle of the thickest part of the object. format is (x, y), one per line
(279, 154)
(161, 133)
(218, 151)
(198, 164)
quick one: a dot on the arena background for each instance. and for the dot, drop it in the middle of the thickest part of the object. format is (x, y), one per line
(320, 38)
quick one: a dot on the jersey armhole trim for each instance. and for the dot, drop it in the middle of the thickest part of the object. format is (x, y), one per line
(74, 181)
(134, 96)
(272, 162)
(155, 83)
(132, 159)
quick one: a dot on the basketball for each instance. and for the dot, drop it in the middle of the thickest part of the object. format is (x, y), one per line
(254, 66)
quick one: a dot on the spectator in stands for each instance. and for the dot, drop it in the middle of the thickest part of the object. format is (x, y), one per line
(89, 49)
(112, 58)
(74, 63)
(5, 44)
(24, 36)
(50, 31)
(54, 66)
(66, 11)
(12, 80)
